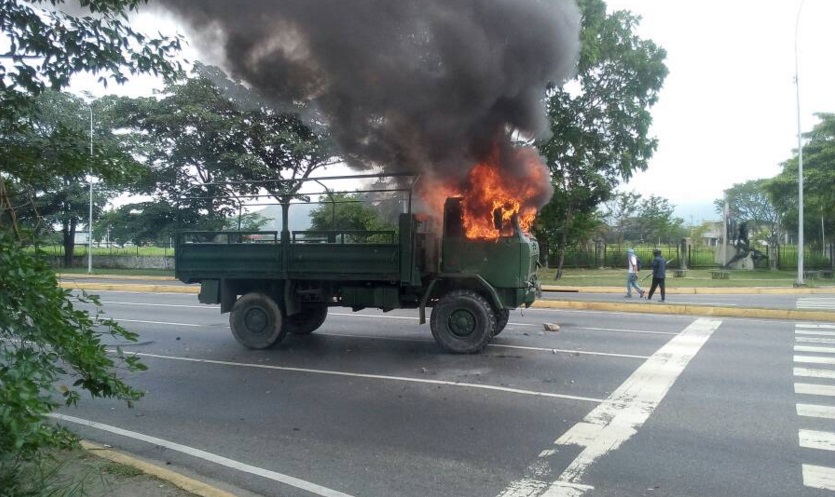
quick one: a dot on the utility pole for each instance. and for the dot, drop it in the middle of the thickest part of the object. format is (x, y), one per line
(799, 281)
(90, 224)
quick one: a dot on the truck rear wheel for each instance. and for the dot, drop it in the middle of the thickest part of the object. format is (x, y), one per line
(463, 322)
(256, 321)
(502, 317)
(307, 321)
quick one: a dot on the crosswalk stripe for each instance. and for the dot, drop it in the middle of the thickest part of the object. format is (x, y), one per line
(822, 341)
(813, 389)
(819, 350)
(813, 411)
(810, 359)
(815, 332)
(821, 440)
(815, 326)
(816, 303)
(815, 373)
(819, 477)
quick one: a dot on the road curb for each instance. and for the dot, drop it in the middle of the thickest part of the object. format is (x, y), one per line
(690, 310)
(129, 287)
(196, 487)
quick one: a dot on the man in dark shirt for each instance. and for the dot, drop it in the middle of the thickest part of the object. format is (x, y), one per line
(659, 273)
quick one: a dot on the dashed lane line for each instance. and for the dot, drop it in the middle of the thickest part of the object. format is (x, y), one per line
(374, 377)
(206, 456)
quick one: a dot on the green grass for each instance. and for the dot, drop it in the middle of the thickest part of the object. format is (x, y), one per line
(81, 250)
(694, 278)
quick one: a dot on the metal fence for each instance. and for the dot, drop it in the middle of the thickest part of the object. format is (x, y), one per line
(697, 257)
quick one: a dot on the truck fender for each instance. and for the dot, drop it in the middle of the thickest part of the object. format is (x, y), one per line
(479, 282)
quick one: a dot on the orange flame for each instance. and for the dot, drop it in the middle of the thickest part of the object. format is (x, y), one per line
(489, 189)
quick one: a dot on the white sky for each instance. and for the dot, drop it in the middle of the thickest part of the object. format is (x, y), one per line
(727, 112)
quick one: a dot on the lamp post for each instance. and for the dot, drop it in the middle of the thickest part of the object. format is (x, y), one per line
(800, 281)
(90, 218)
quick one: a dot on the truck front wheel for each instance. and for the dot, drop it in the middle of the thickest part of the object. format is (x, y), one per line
(256, 321)
(463, 322)
(307, 321)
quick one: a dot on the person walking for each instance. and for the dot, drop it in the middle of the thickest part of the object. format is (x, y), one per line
(659, 273)
(632, 274)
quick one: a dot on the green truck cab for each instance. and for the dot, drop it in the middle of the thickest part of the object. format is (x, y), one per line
(274, 283)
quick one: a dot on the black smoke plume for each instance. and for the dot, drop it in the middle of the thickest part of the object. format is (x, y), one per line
(416, 85)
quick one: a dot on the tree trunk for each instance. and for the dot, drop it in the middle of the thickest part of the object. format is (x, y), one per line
(68, 231)
(569, 217)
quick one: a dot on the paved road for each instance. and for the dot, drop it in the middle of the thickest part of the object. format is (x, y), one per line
(614, 404)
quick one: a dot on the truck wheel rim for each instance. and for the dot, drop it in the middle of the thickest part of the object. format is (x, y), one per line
(256, 320)
(462, 323)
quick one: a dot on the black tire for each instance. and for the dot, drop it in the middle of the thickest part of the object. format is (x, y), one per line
(307, 321)
(256, 321)
(463, 322)
(502, 317)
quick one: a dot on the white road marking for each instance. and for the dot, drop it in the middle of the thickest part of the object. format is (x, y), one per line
(816, 326)
(374, 377)
(619, 330)
(120, 320)
(821, 440)
(813, 389)
(815, 373)
(618, 418)
(815, 411)
(571, 351)
(809, 359)
(817, 350)
(814, 331)
(207, 456)
(819, 477)
(154, 304)
(816, 303)
(822, 341)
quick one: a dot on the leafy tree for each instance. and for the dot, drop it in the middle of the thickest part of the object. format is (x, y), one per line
(600, 120)
(215, 139)
(43, 336)
(621, 212)
(345, 211)
(657, 222)
(818, 183)
(58, 138)
(751, 203)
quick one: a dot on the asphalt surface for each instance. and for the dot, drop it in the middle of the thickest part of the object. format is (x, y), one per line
(370, 406)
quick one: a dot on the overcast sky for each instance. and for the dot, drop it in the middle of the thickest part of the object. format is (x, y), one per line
(727, 112)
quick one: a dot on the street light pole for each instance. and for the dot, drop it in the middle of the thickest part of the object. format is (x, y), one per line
(800, 281)
(90, 218)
